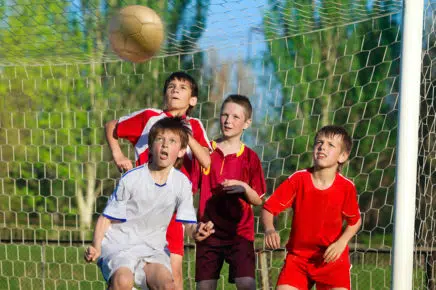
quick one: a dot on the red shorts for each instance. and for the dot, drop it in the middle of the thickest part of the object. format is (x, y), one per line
(303, 274)
(210, 258)
(175, 237)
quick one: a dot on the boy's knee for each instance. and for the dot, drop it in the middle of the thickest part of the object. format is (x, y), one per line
(245, 283)
(122, 280)
(168, 285)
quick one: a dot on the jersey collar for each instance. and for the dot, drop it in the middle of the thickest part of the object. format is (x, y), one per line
(239, 153)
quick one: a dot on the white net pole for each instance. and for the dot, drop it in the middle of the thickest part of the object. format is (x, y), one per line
(407, 154)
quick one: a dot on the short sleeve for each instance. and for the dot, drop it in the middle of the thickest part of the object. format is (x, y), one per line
(130, 127)
(199, 133)
(283, 197)
(116, 208)
(257, 177)
(350, 209)
(185, 204)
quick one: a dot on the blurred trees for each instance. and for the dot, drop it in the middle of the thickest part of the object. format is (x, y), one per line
(54, 107)
(343, 74)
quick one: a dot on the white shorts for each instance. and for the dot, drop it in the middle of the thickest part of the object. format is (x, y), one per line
(134, 260)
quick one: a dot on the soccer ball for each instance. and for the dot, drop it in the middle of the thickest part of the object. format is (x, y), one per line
(136, 33)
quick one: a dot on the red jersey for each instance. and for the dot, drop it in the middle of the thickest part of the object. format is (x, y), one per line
(230, 213)
(136, 127)
(318, 214)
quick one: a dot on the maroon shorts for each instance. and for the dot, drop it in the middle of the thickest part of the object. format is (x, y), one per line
(175, 236)
(303, 274)
(239, 254)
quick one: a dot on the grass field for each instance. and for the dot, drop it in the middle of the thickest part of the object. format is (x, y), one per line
(62, 267)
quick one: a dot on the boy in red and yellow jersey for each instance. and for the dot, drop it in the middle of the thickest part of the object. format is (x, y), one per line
(229, 187)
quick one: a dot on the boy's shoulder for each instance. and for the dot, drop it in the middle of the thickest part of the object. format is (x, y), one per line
(299, 174)
(132, 173)
(346, 181)
(143, 113)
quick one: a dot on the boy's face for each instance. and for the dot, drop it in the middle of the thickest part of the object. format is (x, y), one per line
(178, 96)
(166, 148)
(328, 152)
(233, 120)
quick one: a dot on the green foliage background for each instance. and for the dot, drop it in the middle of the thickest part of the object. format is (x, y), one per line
(321, 65)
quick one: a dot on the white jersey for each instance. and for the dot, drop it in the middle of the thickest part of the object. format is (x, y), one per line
(144, 210)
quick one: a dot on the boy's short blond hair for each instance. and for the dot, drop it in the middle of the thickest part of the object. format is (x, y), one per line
(242, 101)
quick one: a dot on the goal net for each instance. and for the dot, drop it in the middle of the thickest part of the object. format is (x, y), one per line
(303, 64)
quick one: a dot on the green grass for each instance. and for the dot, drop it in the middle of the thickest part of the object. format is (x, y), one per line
(57, 267)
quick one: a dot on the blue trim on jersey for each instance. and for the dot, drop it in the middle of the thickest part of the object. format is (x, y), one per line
(113, 218)
(160, 185)
(133, 169)
(185, 221)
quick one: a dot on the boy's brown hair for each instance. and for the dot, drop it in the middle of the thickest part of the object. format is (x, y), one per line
(182, 76)
(332, 130)
(242, 101)
(176, 125)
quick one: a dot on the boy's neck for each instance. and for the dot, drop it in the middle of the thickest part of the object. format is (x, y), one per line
(177, 113)
(229, 145)
(323, 178)
(159, 175)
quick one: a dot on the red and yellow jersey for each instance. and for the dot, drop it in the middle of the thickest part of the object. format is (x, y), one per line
(231, 214)
(318, 214)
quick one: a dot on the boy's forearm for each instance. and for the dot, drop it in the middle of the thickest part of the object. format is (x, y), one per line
(200, 153)
(190, 229)
(101, 227)
(267, 219)
(350, 231)
(252, 196)
(111, 139)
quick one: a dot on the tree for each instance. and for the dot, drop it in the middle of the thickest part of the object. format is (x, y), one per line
(334, 72)
(67, 166)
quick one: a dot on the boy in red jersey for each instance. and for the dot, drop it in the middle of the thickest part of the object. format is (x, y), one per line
(321, 199)
(180, 96)
(229, 187)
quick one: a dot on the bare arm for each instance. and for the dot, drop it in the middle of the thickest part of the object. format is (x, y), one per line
(94, 251)
(335, 250)
(201, 153)
(272, 238)
(121, 161)
(237, 186)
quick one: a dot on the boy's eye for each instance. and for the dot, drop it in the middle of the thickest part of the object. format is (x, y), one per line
(158, 140)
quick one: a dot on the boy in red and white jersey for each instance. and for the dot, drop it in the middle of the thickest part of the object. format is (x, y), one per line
(180, 96)
(321, 199)
(229, 187)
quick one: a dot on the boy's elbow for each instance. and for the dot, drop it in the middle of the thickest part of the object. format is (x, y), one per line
(258, 202)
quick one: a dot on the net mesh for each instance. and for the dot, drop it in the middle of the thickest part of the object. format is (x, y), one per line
(302, 65)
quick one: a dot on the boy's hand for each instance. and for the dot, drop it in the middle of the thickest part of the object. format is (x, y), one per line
(233, 186)
(204, 230)
(334, 251)
(122, 162)
(92, 254)
(272, 239)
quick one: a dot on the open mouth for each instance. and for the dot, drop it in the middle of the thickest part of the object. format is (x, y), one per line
(163, 155)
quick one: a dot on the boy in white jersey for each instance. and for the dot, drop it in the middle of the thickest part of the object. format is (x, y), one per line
(129, 237)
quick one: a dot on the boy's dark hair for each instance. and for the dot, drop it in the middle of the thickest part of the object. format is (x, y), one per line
(176, 125)
(332, 130)
(241, 100)
(179, 75)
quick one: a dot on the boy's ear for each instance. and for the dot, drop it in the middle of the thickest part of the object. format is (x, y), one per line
(247, 123)
(181, 153)
(193, 101)
(343, 157)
